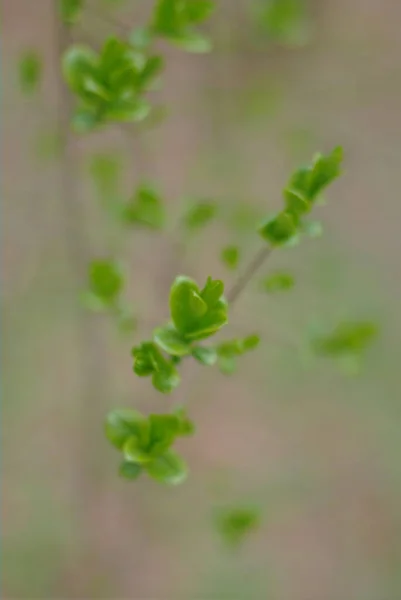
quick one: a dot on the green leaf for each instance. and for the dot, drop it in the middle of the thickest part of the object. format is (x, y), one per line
(307, 183)
(235, 524)
(182, 303)
(250, 343)
(141, 38)
(227, 364)
(106, 280)
(79, 63)
(192, 41)
(185, 425)
(146, 208)
(206, 355)
(280, 229)
(199, 10)
(70, 10)
(324, 170)
(122, 424)
(347, 338)
(278, 282)
(30, 71)
(174, 20)
(135, 450)
(163, 431)
(169, 468)
(296, 202)
(166, 380)
(212, 292)
(230, 255)
(200, 215)
(130, 470)
(312, 229)
(284, 21)
(171, 341)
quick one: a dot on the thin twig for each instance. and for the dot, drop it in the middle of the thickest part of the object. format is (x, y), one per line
(248, 274)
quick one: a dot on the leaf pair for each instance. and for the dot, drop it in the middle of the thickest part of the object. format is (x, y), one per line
(301, 193)
(197, 314)
(146, 443)
(109, 84)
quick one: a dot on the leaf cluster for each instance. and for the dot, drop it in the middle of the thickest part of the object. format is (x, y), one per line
(110, 84)
(300, 195)
(146, 443)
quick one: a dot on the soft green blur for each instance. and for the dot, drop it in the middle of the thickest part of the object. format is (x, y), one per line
(295, 484)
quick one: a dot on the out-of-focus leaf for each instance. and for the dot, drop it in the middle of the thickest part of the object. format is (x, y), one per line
(145, 209)
(105, 280)
(278, 282)
(30, 71)
(346, 339)
(70, 10)
(284, 21)
(130, 470)
(235, 524)
(230, 255)
(200, 215)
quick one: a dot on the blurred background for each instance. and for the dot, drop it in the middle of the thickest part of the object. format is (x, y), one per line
(312, 445)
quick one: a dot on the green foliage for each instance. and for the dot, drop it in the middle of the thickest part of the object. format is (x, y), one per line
(30, 72)
(146, 443)
(176, 20)
(278, 282)
(235, 524)
(150, 361)
(230, 255)
(300, 195)
(280, 229)
(349, 338)
(229, 351)
(199, 215)
(105, 283)
(145, 209)
(109, 84)
(284, 21)
(197, 314)
(71, 10)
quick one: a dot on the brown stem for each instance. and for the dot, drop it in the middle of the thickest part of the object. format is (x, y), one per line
(248, 274)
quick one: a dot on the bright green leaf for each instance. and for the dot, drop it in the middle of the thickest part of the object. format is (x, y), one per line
(206, 355)
(280, 229)
(124, 423)
(169, 468)
(170, 340)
